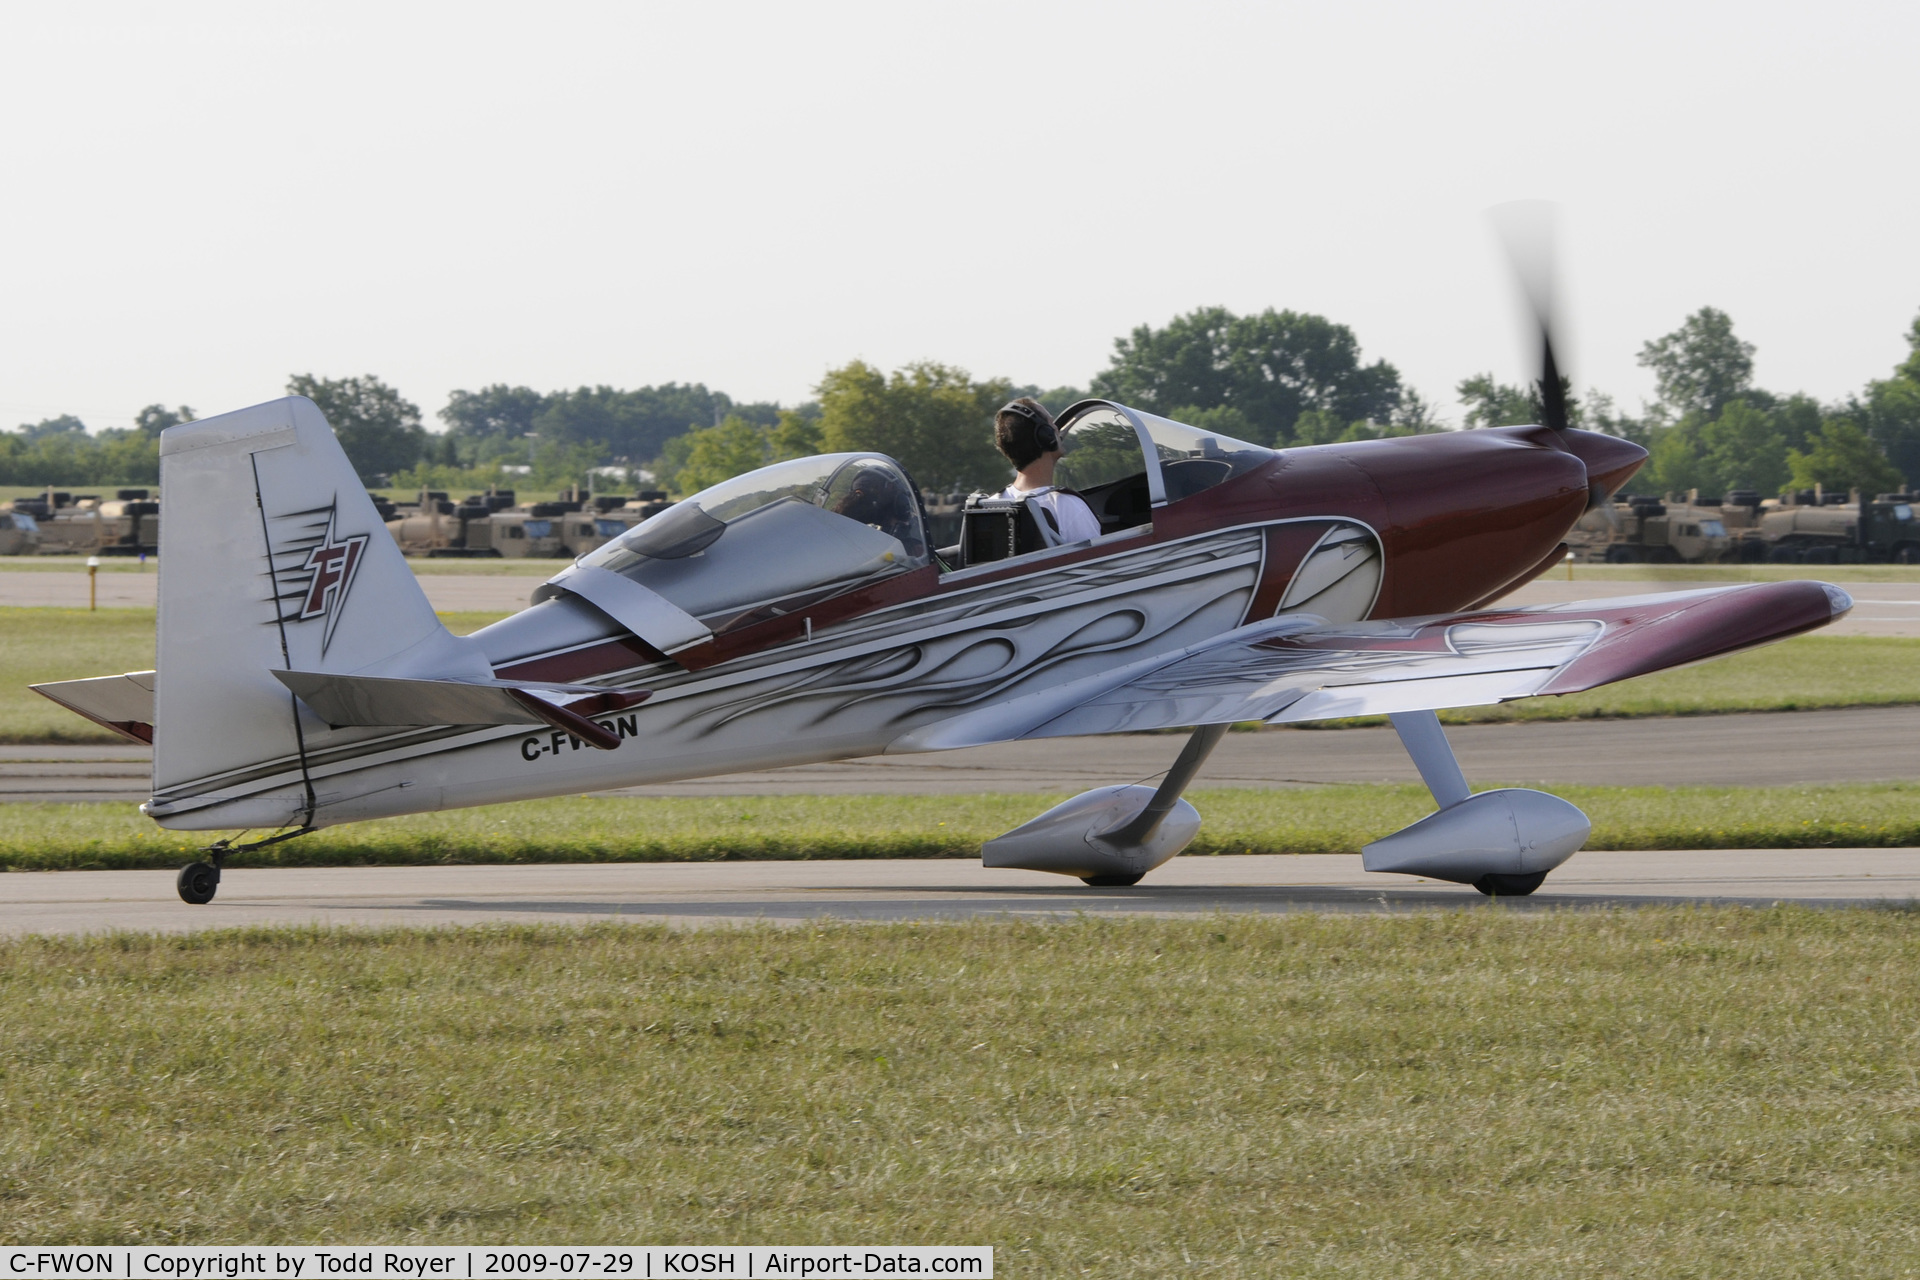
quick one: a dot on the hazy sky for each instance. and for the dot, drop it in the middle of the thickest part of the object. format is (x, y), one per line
(201, 198)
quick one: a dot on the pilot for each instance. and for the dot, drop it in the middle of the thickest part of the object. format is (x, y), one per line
(1023, 431)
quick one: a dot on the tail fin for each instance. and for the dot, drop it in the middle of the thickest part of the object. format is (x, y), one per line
(274, 558)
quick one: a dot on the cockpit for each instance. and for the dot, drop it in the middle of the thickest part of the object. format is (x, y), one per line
(777, 541)
(1124, 462)
(809, 528)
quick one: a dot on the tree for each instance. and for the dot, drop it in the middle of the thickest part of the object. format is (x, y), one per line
(378, 428)
(1744, 449)
(155, 418)
(1273, 367)
(64, 425)
(719, 453)
(1891, 411)
(1910, 367)
(933, 418)
(1222, 420)
(1843, 457)
(707, 455)
(1700, 366)
(637, 424)
(795, 435)
(492, 420)
(1495, 404)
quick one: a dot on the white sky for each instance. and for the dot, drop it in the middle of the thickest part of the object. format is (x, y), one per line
(200, 199)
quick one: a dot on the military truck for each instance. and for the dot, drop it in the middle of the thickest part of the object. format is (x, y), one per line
(127, 524)
(491, 525)
(19, 534)
(1646, 530)
(434, 527)
(1812, 527)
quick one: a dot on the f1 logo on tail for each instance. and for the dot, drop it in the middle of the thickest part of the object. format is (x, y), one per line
(333, 564)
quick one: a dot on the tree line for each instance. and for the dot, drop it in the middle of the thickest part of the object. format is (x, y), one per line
(1277, 378)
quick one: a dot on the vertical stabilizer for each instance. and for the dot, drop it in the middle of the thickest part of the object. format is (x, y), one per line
(274, 558)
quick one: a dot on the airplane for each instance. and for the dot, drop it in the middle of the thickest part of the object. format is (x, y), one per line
(797, 614)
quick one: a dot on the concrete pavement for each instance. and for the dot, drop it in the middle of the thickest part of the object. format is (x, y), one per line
(688, 894)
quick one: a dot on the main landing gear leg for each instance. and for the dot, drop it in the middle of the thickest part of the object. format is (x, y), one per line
(199, 881)
(1141, 829)
(1426, 742)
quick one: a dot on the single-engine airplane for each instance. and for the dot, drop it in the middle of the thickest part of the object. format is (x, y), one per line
(797, 614)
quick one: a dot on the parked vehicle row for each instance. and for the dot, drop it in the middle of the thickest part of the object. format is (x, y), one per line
(1803, 527)
(492, 525)
(67, 524)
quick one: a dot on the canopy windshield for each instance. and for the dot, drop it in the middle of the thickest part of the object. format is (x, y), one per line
(1192, 459)
(811, 527)
(1133, 460)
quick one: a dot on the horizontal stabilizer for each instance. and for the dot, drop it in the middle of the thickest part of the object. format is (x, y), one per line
(122, 703)
(386, 702)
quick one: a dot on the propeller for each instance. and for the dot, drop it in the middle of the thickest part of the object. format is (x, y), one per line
(1526, 230)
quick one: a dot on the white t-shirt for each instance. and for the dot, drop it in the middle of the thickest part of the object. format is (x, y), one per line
(1075, 518)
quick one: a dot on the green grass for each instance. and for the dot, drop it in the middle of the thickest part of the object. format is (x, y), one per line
(1333, 819)
(1661, 1092)
(1796, 675)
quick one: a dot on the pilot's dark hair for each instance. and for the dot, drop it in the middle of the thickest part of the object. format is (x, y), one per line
(1023, 430)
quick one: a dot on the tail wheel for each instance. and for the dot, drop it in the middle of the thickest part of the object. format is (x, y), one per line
(1508, 886)
(197, 883)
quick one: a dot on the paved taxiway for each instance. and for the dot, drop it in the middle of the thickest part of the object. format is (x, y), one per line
(688, 894)
(1876, 744)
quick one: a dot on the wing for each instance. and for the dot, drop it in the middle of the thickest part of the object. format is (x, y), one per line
(1454, 660)
(1297, 667)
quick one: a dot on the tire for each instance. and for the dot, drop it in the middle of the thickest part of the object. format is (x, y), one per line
(197, 883)
(1109, 882)
(1619, 555)
(1906, 553)
(1509, 886)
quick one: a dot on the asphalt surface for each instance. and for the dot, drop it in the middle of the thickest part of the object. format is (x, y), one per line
(1863, 745)
(693, 894)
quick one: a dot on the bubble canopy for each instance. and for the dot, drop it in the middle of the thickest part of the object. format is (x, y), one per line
(813, 527)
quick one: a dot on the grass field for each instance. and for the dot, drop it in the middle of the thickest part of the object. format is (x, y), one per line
(1335, 819)
(1663, 1092)
(1810, 672)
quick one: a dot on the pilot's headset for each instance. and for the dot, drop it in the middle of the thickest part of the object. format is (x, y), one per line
(1045, 434)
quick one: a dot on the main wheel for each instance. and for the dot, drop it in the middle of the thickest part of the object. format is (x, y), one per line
(1110, 882)
(197, 882)
(1506, 886)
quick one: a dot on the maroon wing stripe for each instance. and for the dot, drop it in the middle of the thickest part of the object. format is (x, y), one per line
(1693, 630)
